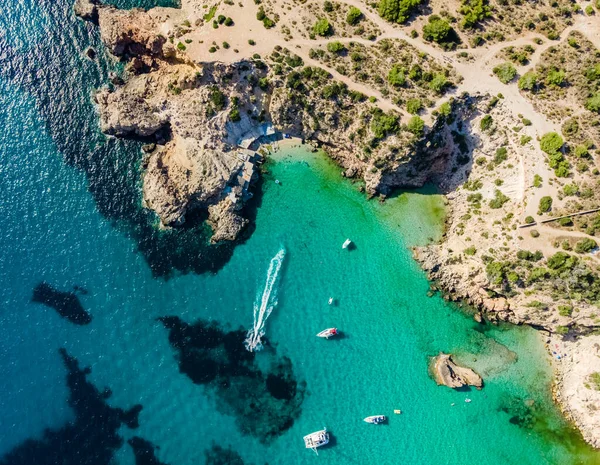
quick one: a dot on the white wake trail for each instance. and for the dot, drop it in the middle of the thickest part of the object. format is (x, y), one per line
(264, 307)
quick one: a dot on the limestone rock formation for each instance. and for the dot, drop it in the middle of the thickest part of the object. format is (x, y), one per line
(448, 373)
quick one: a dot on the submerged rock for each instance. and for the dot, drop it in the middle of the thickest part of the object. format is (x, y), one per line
(448, 373)
(91, 438)
(265, 398)
(66, 304)
(144, 451)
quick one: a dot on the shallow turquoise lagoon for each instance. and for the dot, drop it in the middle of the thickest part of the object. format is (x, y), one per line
(63, 223)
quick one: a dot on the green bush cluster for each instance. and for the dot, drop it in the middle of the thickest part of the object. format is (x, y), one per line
(416, 125)
(545, 204)
(474, 11)
(397, 11)
(506, 72)
(528, 81)
(383, 124)
(498, 200)
(322, 28)
(396, 76)
(436, 29)
(585, 245)
(336, 47)
(354, 16)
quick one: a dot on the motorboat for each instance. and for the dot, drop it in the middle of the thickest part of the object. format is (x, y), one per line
(327, 333)
(375, 419)
(316, 439)
(346, 243)
(330, 300)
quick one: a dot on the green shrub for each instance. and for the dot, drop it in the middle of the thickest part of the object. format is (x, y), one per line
(565, 222)
(555, 78)
(581, 151)
(354, 16)
(226, 45)
(327, 6)
(528, 81)
(551, 142)
(585, 245)
(474, 11)
(529, 219)
(336, 47)
(322, 28)
(396, 76)
(571, 189)
(537, 180)
(181, 46)
(506, 72)
(534, 233)
(593, 103)
(397, 11)
(251, 42)
(445, 109)
(589, 10)
(525, 139)
(545, 204)
(562, 330)
(498, 200)
(213, 49)
(486, 122)
(565, 310)
(228, 21)
(383, 124)
(234, 115)
(414, 105)
(470, 251)
(436, 29)
(570, 127)
(501, 155)
(438, 83)
(416, 125)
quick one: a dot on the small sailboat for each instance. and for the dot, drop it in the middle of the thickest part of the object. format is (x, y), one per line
(326, 333)
(330, 300)
(375, 419)
(316, 439)
(346, 243)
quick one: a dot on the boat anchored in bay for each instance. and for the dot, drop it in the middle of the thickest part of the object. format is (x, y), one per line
(327, 333)
(316, 439)
(375, 419)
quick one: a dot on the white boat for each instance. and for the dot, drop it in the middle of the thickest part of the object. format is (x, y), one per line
(468, 401)
(330, 300)
(326, 333)
(375, 419)
(346, 243)
(316, 439)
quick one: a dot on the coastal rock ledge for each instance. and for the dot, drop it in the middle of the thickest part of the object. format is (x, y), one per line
(448, 373)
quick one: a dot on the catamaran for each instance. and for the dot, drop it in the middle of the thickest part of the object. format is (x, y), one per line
(375, 419)
(326, 333)
(316, 439)
(346, 243)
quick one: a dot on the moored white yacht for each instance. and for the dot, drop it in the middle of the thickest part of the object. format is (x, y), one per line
(346, 243)
(375, 419)
(316, 439)
(327, 333)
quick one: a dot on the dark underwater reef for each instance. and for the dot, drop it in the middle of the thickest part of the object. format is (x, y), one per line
(265, 403)
(66, 304)
(90, 439)
(144, 451)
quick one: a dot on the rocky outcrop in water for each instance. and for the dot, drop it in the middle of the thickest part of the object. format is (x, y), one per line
(448, 373)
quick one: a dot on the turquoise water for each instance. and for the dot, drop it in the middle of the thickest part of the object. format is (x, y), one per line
(69, 200)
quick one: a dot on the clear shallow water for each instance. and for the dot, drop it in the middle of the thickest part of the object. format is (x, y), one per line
(77, 223)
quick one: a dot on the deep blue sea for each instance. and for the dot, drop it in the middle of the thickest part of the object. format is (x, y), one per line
(160, 374)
